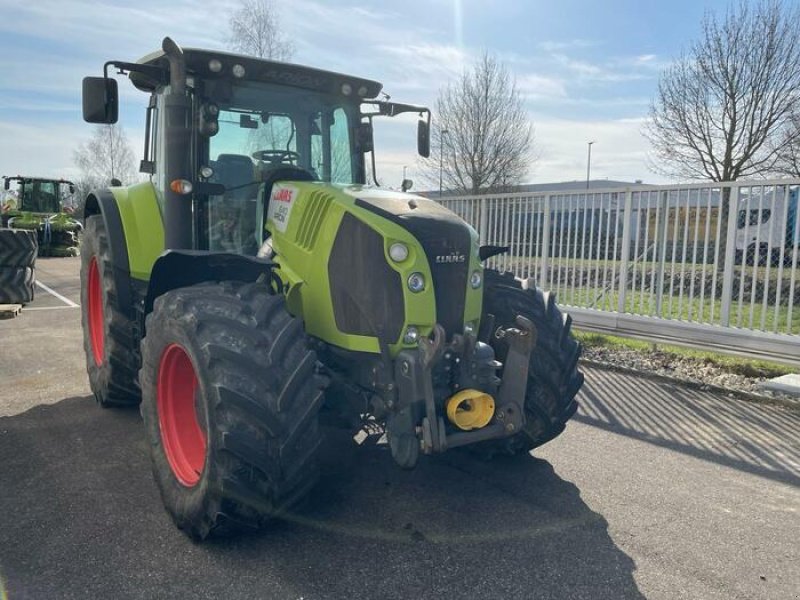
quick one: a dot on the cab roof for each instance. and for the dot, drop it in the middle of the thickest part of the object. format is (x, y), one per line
(269, 71)
(27, 178)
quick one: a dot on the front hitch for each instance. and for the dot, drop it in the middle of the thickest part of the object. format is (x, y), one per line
(413, 374)
(511, 397)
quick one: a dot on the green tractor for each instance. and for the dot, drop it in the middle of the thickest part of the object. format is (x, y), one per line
(42, 205)
(256, 283)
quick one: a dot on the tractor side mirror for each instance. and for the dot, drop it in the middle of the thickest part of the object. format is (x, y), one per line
(423, 139)
(100, 100)
(71, 189)
(363, 137)
(406, 185)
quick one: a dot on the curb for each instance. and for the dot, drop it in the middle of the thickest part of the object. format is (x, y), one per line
(695, 385)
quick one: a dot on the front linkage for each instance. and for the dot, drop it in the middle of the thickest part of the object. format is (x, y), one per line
(479, 405)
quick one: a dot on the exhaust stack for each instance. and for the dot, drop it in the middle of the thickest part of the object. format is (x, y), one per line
(178, 230)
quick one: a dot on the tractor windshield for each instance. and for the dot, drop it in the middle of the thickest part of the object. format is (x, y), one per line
(267, 131)
(40, 197)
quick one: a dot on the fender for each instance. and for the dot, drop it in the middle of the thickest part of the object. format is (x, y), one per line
(181, 268)
(133, 221)
(102, 202)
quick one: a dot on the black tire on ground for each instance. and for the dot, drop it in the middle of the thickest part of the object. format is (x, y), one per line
(254, 406)
(18, 248)
(109, 340)
(553, 376)
(17, 285)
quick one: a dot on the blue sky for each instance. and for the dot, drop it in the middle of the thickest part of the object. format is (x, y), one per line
(587, 70)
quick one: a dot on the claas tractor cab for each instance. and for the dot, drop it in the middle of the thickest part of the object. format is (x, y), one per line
(257, 281)
(45, 206)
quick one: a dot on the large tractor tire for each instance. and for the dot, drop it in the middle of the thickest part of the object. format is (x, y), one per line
(17, 285)
(17, 248)
(108, 334)
(553, 376)
(230, 403)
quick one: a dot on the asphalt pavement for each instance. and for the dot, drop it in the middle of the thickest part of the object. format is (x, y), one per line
(653, 491)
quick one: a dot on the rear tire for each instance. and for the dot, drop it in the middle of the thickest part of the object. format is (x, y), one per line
(246, 450)
(17, 285)
(108, 335)
(553, 376)
(17, 248)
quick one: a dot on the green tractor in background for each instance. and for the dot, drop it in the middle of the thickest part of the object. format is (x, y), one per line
(256, 281)
(45, 206)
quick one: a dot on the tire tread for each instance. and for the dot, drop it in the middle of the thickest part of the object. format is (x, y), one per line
(553, 376)
(263, 432)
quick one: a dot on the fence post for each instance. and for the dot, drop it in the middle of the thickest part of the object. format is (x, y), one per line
(730, 255)
(543, 274)
(626, 251)
(662, 252)
(483, 219)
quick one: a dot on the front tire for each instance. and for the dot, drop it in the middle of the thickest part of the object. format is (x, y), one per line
(108, 335)
(553, 376)
(230, 406)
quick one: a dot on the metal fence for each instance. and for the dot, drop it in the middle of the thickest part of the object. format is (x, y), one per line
(710, 265)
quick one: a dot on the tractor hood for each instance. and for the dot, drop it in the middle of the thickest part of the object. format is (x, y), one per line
(449, 244)
(400, 204)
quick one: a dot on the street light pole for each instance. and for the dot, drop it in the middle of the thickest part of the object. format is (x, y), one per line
(589, 165)
(441, 157)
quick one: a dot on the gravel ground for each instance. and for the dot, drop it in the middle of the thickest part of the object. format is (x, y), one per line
(680, 367)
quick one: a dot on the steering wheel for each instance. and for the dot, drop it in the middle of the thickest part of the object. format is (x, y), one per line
(277, 156)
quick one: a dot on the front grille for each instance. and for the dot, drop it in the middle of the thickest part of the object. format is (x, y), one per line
(444, 238)
(367, 294)
(313, 217)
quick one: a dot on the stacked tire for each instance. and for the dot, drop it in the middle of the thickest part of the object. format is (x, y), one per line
(18, 249)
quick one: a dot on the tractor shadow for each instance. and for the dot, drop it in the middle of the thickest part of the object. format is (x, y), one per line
(455, 526)
(80, 516)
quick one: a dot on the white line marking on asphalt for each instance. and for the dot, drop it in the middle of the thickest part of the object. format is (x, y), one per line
(48, 308)
(52, 292)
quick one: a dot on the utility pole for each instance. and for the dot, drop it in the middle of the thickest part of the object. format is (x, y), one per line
(588, 165)
(441, 157)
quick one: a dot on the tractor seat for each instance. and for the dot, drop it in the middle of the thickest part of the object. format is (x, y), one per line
(234, 171)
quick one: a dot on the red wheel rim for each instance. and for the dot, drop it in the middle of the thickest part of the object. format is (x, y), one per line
(183, 439)
(96, 317)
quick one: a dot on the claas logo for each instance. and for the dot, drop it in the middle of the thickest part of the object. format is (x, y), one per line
(282, 195)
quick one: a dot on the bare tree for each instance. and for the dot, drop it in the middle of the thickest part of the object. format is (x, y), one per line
(105, 156)
(482, 139)
(722, 108)
(255, 30)
(789, 148)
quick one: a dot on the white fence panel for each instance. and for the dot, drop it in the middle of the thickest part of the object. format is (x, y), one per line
(719, 255)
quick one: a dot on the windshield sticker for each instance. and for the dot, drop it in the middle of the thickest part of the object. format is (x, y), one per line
(280, 206)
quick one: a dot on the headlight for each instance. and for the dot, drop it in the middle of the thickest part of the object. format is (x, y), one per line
(398, 252)
(238, 71)
(411, 336)
(416, 282)
(475, 280)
